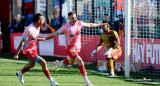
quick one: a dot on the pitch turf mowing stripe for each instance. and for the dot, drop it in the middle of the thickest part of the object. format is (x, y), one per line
(13, 61)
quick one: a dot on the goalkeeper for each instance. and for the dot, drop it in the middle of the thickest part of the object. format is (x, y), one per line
(112, 42)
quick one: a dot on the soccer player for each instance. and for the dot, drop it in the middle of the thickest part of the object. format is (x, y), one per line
(72, 31)
(29, 40)
(112, 41)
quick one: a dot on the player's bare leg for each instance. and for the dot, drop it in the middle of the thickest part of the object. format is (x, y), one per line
(42, 62)
(82, 70)
(26, 68)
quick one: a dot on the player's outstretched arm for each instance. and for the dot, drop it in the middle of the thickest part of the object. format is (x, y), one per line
(19, 48)
(94, 25)
(99, 46)
(41, 39)
(50, 36)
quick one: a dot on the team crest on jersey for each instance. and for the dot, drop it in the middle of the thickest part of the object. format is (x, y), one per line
(73, 54)
(33, 56)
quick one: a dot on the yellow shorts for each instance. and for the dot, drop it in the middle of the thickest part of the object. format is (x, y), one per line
(116, 53)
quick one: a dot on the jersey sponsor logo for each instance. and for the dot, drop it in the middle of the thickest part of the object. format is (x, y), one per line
(77, 33)
(74, 35)
(33, 39)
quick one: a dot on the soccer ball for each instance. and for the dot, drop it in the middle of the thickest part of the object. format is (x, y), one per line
(102, 69)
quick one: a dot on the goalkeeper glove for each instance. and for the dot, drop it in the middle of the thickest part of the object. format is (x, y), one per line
(93, 53)
(109, 51)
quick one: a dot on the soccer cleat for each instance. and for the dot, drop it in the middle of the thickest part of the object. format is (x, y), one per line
(89, 84)
(111, 75)
(54, 83)
(57, 65)
(69, 66)
(20, 77)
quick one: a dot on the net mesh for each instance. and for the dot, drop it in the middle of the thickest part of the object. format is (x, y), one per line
(144, 58)
(145, 61)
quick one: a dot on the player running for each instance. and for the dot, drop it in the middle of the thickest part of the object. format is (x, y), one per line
(29, 40)
(72, 31)
(112, 41)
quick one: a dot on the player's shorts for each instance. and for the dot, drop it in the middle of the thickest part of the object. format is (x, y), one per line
(32, 56)
(116, 53)
(73, 53)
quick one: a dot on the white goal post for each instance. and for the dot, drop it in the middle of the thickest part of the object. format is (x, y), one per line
(127, 36)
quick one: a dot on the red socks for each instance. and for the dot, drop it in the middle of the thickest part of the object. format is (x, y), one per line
(47, 73)
(24, 70)
(66, 62)
(82, 70)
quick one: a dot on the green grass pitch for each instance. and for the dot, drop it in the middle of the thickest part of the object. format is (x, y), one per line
(65, 76)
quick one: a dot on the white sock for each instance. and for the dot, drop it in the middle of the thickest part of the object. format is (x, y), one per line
(50, 79)
(20, 73)
(60, 63)
(112, 71)
(86, 79)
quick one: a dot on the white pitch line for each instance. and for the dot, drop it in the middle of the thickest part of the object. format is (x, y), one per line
(13, 60)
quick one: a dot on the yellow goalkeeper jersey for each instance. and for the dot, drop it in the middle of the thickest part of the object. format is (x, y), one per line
(109, 39)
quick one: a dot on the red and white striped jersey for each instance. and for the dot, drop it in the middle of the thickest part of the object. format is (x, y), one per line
(30, 34)
(72, 33)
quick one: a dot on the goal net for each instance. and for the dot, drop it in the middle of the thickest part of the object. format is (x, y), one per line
(144, 40)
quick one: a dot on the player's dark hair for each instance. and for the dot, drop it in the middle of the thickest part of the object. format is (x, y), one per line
(37, 17)
(71, 13)
(107, 24)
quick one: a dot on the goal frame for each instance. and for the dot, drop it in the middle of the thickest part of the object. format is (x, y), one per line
(127, 37)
